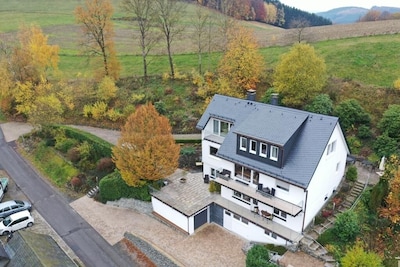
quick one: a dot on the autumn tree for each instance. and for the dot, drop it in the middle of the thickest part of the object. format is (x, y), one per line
(357, 256)
(146, 150)
(260, 13)
(40, 103)
(299, 25)
(32, 60)
(391, 210)
(242, 64)
(201, 35)
(143, 12)
(300, 75)
(272, 11)
(169, 13)
(95, 18)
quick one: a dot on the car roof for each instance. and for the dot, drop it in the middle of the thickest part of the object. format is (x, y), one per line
(7, 203)
(20, 214)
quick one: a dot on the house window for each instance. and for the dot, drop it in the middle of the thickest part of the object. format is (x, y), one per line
(253, 147)
(282, 185)
(213, 151)
(227, 213)
(243, 143)
(221, 127)
(274, 235)
(256, 176)
(242, 197)
(242, 173)
(237, 217)
(274, 153)
(338, 166)
(280, 214)
(267, 232)
(213, 173)
(263, 150)
(331, 148)
(245, 221)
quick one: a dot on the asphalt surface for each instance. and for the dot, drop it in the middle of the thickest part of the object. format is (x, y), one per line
(91, 248)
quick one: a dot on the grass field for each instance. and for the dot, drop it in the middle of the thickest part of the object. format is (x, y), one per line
(371, 60)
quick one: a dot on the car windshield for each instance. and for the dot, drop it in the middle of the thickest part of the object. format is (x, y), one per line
(6, 221)
(19, 202)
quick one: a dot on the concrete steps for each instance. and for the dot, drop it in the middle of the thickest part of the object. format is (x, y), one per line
(93, 192)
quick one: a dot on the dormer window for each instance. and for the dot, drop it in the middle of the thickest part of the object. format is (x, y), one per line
(221, 128)
(274, 153)
(243, 143)
(253, 147)
(263, 150)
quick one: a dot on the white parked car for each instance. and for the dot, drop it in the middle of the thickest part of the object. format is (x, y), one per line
(15, 222)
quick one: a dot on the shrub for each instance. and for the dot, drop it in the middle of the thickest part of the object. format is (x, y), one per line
(258, 256)
(105, 165)
(113, 187)
(75, 182)
(65, 144)
(351, 173)
(346, 227)
(73, 155)
(214, 187)
(327, 237)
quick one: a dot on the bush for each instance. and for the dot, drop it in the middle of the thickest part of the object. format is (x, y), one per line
(113, 187)
(351, 173)
(65, 144)
(73, 155)
(105, 165)
(327, 237)
(346, 227)
(258, 256)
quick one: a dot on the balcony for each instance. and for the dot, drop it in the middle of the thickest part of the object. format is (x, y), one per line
(262, 196)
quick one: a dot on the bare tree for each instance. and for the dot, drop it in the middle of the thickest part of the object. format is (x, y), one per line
(201, 23)
(299, 24)
(143, 13)
(170, 13)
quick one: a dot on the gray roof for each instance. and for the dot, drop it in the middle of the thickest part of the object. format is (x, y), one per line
(273, 124)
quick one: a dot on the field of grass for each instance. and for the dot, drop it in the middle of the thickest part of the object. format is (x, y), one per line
(373, 60)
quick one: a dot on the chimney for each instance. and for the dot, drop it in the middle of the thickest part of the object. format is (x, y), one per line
(274, 99)
(251, 95)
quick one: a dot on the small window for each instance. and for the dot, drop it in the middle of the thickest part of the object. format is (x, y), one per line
(263, 150)
(274, 153)
(243, 143)
(267, 232)
(333, 146)
(216, 127)
(227, 213)
(283, 214)
(337, 166)
(253, 147)
(213, 151)
(245, 221)
(274, 235)
(246, 198)
(276, 211)
(224, 128)
(237, 217)
(237, 194)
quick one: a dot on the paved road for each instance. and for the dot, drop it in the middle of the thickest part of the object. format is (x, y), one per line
(87, 244)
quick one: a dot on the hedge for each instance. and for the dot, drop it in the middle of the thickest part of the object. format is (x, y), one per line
(113, 187)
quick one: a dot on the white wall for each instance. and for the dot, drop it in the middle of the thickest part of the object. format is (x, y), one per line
(326, 178)
(250, 231)
(171, 215)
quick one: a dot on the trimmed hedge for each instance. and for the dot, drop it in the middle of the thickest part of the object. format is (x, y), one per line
(113, 187)
(101, 148)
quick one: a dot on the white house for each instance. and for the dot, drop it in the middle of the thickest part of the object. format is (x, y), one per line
(277, 167)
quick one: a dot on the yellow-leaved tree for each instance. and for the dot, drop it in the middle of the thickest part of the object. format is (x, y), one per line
(98, 31)
(300, 75)
(242, 64)
(33, 58)
(146, 150)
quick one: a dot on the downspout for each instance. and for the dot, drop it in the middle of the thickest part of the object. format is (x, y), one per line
(305, 208)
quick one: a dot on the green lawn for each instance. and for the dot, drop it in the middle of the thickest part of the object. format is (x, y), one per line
(371, 60)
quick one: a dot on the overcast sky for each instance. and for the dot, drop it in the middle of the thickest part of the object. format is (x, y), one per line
(325, 5)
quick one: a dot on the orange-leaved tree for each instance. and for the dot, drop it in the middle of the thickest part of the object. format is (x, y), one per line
(146, 150)
(242, 63)
(98, 32)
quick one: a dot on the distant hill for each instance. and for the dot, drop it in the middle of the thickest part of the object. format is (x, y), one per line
(351, 14)
(343, 15)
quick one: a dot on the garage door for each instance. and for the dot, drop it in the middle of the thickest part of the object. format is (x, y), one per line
(200, 219)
